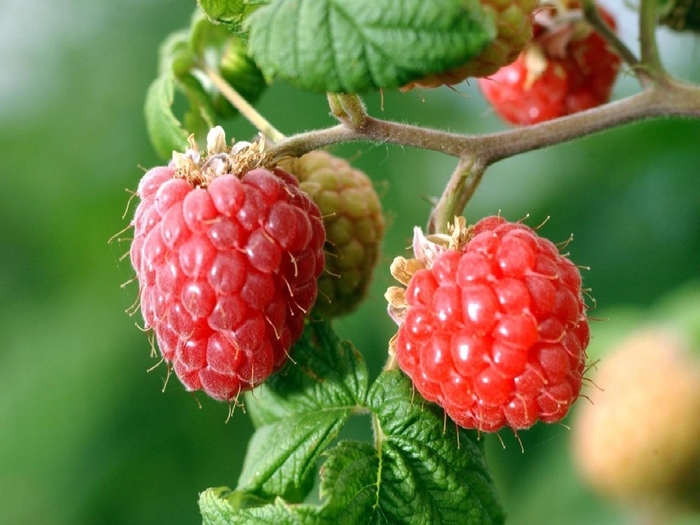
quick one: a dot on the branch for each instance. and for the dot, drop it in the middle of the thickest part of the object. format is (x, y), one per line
(673, 99)
(678, 99)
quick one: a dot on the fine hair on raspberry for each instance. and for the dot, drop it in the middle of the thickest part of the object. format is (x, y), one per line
(227, 266)
(494, 330)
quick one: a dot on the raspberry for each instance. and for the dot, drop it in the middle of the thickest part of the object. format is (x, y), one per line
(566, 69)
(354, 224)
(493, 326)
(638, 441)
(227, 259)
(514, 31)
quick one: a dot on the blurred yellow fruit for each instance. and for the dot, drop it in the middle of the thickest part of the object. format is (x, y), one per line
(638, 441)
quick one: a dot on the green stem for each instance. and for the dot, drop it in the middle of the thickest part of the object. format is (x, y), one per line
(379, 438)
(651, 60)
(593, 17)
(460, 188)
(243, 106)
(349, 109)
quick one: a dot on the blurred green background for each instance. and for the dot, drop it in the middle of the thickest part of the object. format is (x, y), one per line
(86, 435)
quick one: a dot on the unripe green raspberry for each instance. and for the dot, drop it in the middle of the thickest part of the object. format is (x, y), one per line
(239, 70)
(514, 31)
(680, 15)
(354, 227)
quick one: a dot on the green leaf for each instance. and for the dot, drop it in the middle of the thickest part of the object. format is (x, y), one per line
(228, 55)
(175, 61)
(422, 471)
(221, 506)
(239, 70)
(200, 116)
(206, 35)
(341, 46)
(350, 479)
(164, 129)
(175, 54)
(299, 412)
(230, 13)
(166, 132)
(180, 60)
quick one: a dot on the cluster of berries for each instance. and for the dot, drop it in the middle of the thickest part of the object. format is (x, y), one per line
(230, 257)
(566, 68)
(230, 251)
(546, 61)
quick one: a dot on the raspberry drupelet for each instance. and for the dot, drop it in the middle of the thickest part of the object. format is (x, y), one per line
(227, 256)
(493, 327)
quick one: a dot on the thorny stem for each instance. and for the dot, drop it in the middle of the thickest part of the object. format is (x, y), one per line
(242, 105)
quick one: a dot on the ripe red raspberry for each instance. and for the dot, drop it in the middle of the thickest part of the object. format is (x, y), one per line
(568, 68)
(227, 260)
(493, 327)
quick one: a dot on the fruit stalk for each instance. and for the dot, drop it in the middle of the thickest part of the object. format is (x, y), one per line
(648, 16)
(460, 188)
(242, 105)
(593, 17)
